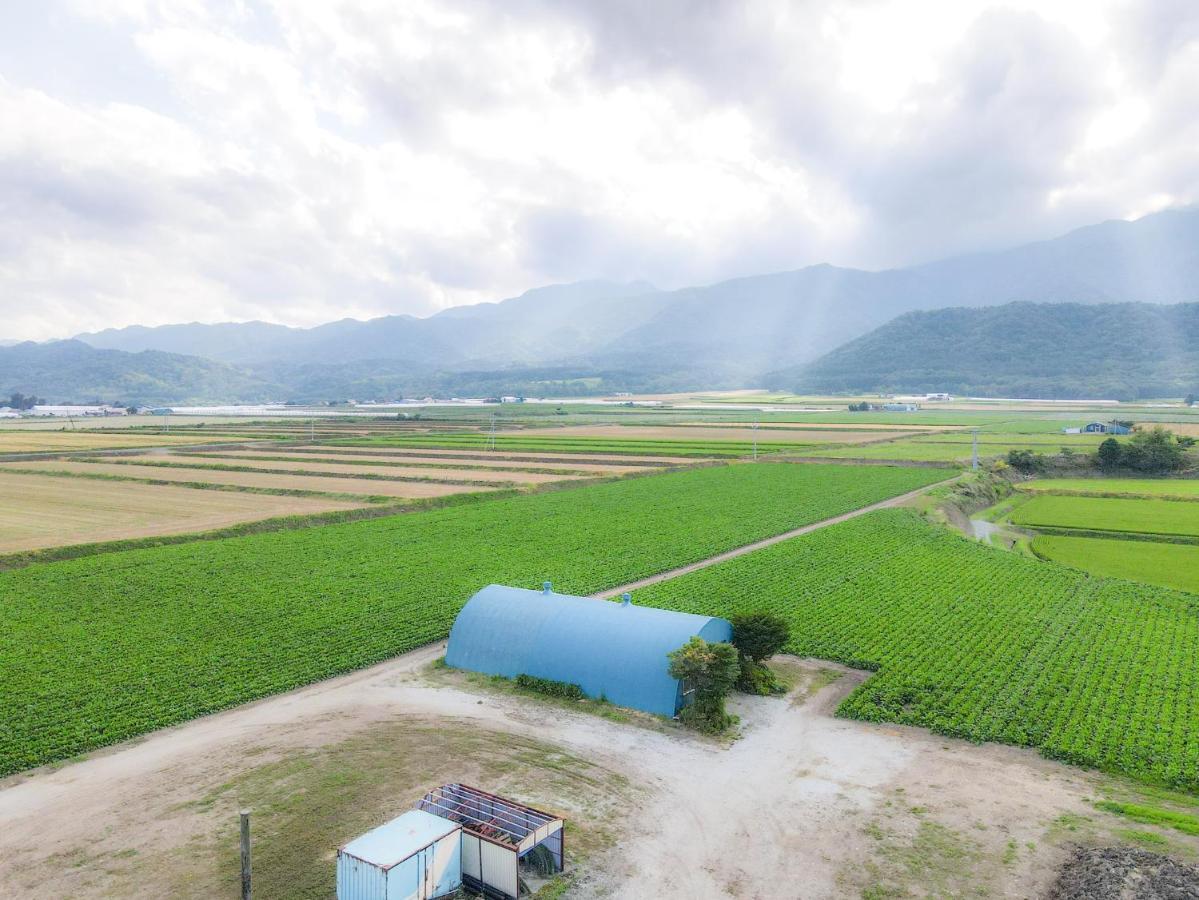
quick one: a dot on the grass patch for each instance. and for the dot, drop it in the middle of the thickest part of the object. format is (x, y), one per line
(1153, 815)
(1166, 517)
(1151, 562)
(308, 804)
(498, 685)
(1148, 839)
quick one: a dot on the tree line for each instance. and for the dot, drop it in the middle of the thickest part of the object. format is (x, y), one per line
(22, 402)
(1152, 451)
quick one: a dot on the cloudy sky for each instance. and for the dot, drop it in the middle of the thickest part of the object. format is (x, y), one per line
(298, 162)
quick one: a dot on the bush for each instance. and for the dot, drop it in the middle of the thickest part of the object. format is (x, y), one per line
(709, 671)
(550, 688)
(1025, 461)
(757, 637)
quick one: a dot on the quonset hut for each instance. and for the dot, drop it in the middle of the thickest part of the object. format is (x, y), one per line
(612, 650)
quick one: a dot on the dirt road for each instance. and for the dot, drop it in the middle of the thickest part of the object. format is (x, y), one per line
(758, 545)
(802, 805)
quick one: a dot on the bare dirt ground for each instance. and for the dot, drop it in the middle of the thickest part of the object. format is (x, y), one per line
(47, 511)
(330, 484)
(802, 805)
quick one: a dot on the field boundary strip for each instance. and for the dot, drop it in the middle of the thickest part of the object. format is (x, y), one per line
(1107, 495)
(1149, 537)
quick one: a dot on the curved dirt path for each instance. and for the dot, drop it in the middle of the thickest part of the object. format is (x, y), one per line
(758, 545)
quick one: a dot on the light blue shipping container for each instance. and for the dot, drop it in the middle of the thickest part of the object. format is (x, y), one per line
(612, 650)
(417, 856)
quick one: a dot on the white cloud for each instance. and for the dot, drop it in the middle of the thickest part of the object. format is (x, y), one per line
(299, 162)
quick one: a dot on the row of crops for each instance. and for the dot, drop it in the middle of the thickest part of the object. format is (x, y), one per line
(979, 643)
(103, 648)
(566, 444)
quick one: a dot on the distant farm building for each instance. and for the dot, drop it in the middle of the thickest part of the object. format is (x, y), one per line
(901, 407)
(612, 650)
(1101, 428)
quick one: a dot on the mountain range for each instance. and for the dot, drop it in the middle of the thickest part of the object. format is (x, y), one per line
(602, 336)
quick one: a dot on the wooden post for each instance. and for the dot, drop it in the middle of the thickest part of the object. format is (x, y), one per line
(245, 854)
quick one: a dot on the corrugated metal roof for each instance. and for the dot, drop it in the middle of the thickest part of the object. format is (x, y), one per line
(398, 839)
(613, 650)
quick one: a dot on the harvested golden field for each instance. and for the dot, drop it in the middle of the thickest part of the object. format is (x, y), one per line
(463, 466)
(13, 440)
(349, 468)
(1188, 428)
(328, 485)
(46, 511)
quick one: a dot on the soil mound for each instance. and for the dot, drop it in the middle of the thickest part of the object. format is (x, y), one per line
(1123, 873)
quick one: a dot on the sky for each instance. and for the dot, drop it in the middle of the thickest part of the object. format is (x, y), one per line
(300, 162)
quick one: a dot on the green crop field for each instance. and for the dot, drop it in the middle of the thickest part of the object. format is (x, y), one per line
(568, 444)
(1164, 517)
(106, 647)
(666, 446)
(1151, 562)
(979, 643)
(918, 451)
(1176, 488)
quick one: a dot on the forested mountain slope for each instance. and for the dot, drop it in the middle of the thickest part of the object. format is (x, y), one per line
(1052, 350)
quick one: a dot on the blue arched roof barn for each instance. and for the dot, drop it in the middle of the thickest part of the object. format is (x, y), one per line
(612, 650)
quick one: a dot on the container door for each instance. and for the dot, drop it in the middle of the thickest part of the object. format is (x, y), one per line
(427, 880)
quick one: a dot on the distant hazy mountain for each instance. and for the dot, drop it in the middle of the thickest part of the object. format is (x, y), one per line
(73, 372)
(722, 335)
(1050, 350)
(555, 321)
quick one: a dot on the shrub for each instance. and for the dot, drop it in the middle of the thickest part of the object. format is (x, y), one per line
(709, 670)
(1025, 461)
(757, 637)
(549, 687)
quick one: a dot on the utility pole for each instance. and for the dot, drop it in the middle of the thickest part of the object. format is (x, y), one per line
(245, 854)
(974, 463)
(491, 434)
(755, 430)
